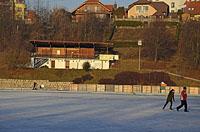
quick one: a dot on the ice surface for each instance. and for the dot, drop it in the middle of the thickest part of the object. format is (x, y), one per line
(86, 112)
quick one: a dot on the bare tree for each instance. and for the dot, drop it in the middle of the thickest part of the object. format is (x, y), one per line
(13, 38)
(60, 21)
(159, 43)
(189, 45)
(95, 29)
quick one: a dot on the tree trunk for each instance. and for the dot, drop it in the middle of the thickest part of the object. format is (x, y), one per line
(156, 55)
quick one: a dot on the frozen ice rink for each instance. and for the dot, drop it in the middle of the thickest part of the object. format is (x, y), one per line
(82, 112)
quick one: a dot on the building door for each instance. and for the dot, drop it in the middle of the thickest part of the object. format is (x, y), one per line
(53, 64)
(67, 64)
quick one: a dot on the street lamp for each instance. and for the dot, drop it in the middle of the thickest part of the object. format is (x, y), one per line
(139, 45)
(85, 17)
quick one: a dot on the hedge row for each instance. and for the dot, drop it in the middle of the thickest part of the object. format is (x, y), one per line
(134, 78)
(129, 23)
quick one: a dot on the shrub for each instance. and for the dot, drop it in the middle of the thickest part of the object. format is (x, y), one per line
(78, 81)
(129, 23)
(86, 66)
(87, 77)
(106, 81)
(83, 79)
(134, 78)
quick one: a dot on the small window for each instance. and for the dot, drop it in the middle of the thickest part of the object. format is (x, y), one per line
(58, 52)
(138, 9)
(96, 8)
(145, 8)
(172, 5)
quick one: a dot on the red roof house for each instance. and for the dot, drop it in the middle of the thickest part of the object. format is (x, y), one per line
(94, 7)
(192, 8)
(146, 8)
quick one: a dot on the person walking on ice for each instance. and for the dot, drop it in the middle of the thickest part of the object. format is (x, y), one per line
(170, 98)
(183, 97)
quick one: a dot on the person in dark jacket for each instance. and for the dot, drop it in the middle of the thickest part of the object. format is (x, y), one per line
(183, 97)
(34, 86)
(170, 98)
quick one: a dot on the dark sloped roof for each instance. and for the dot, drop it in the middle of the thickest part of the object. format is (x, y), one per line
(109, 8)
(161, 7)
(48, 43)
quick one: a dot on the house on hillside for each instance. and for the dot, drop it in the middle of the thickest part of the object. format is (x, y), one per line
(148, 9)
(94, 7)
(31, 17)
(191, 10)
(20, 9)
(17, 7)
(174, 5)
(72, 55)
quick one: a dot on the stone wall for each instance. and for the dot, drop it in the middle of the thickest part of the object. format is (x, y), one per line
(15, 84)
(28, 84)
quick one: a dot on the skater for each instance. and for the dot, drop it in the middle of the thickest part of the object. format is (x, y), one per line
(34, 86)
(183, 97)
(170, 98)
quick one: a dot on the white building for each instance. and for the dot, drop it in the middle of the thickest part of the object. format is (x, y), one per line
(72, 55)
(61, 63)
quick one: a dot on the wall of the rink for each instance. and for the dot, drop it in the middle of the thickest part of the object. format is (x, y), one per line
(23, 85)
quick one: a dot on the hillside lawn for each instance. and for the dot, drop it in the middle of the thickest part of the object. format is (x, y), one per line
(121, 66)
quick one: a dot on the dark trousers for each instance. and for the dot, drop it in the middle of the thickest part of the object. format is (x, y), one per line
(183, 103)
(171, 102)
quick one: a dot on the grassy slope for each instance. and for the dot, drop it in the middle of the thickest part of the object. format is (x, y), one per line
(128, 62)
(69, 75)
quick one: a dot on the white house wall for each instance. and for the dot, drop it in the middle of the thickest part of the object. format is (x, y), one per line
(95, 64)
(75, 63)
(60, 63)
(108, 57)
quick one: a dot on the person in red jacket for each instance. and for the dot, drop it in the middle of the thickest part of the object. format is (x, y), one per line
(183, 97)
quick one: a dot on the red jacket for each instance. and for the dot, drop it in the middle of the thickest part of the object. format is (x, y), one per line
(183, 95)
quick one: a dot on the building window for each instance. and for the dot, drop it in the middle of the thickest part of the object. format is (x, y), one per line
(145, 9)
(172, 5)
(67, 64)
(138, 9)
(19, 9)
(58, 52)
(96, 8)
(53, 64)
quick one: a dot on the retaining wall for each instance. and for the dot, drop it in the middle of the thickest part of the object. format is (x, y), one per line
(15, 84)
